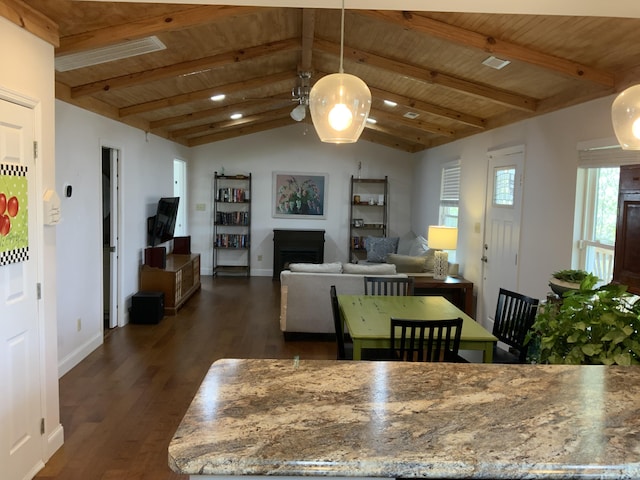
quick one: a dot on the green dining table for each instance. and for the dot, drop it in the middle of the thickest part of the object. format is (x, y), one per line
(367, 318)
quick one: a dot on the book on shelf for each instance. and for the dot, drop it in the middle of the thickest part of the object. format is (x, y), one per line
(232, 218)
(232, 240)
(230, 194)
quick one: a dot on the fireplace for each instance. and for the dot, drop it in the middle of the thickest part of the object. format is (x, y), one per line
(296, 246)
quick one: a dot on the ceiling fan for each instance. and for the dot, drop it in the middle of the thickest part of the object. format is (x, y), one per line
(300, 93)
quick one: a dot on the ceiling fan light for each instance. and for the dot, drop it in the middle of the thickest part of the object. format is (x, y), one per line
(299, 113)
(625, 117)
(339, 105)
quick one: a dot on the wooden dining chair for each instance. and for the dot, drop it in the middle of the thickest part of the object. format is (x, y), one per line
(345, 351)
(425, 340)
(392, 286)
(515, 313)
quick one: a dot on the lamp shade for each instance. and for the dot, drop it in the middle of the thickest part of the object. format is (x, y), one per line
(625, 116)
(339, 105)
(442, 238)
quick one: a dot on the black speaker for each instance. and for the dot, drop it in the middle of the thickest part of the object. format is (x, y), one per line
(147, 307)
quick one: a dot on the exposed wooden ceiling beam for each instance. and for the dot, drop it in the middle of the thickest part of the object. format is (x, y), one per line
(226, 124)
(410, 137)
(389, 118)
(188, 17)
(206, 93)
(202, 64)
(31, 20)
(308, 33)
(424, 107)
(509, 99)
(207, 113)
(490, 44)
(390, 141)
(238, 132)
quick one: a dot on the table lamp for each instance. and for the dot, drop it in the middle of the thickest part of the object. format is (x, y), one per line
(441, 238)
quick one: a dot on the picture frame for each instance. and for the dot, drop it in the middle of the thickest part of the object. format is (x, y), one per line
(300, 195)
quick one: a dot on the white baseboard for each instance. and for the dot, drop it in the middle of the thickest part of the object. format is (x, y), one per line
(55, 439)
(79, 354)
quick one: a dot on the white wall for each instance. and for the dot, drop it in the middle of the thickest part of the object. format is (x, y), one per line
(290, 149)
(27, 69)
(146, 174)
(551, 156)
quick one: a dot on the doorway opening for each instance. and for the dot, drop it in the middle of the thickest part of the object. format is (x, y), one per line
(110, 284)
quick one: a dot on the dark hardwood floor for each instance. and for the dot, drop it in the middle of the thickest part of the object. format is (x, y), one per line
(121, 405)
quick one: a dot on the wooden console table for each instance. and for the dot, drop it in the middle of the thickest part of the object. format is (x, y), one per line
(178, 280)
(457, 290)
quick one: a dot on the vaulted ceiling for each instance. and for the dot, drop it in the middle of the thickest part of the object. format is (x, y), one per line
(429, 64)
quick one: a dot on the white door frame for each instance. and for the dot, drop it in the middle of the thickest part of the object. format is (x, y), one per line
(486, 308)
(115, 305)
(36, 251)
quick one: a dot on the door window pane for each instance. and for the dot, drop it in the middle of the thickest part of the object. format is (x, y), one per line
(504, 186)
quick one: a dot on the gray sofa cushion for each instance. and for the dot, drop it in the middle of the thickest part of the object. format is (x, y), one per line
(334, 267)
(376, 269)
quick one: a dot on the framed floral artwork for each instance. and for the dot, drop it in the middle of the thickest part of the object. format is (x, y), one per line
(299, 195)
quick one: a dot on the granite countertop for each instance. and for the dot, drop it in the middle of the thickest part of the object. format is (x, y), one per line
(428, 420)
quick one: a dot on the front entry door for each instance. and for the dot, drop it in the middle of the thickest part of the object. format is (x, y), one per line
(20, 408)
(502, 227)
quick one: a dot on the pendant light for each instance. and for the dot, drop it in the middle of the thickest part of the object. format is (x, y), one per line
(339, 103)
(625, 116)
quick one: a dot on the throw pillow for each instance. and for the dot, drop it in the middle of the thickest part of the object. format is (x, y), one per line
(335, 267)
(407, 263)
(362, 269)
(418, 247)
(379, 247)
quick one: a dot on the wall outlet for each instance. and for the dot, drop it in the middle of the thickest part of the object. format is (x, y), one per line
(79, 324)
(200, 207)
(259, 258)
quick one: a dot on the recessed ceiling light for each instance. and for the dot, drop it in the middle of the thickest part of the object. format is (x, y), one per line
(218, 98)
(411, 115)
(118, 51)
(495, 62)
(236, 116)
(371, 120)
(390, 103)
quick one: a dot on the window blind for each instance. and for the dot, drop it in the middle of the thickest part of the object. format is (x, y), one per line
(450, 187)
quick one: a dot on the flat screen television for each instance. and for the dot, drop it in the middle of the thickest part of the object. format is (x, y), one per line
(163, 223)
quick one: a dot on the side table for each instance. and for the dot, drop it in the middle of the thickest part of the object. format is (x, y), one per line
(457, 290)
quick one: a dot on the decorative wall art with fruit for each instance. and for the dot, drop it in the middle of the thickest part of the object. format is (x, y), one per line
(14, 232)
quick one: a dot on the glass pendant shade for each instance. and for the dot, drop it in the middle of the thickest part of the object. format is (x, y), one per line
(339, 105)
(625, 116)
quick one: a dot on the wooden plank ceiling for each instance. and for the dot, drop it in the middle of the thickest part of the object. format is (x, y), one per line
(429, 64)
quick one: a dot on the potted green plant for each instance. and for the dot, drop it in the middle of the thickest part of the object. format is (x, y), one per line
(590, 326)
(566, 280)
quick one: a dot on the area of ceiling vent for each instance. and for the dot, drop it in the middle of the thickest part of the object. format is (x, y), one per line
(118, 51)
(495, 62)
(411, 115)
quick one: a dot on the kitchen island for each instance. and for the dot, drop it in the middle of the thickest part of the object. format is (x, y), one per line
(415, 420)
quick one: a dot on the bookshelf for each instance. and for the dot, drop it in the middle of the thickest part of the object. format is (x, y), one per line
(368, 215)
(232, 224)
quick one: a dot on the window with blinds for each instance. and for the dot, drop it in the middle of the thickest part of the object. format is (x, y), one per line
(450, 194)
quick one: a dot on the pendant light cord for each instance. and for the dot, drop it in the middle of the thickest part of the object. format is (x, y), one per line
(341, 70)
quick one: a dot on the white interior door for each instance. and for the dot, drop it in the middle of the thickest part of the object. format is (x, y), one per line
(502, 227)
(180, 190)
(20, 408)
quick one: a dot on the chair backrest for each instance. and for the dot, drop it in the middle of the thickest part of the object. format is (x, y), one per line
(391, 286)
(337, 323)
(425, 340)
(515, 314)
